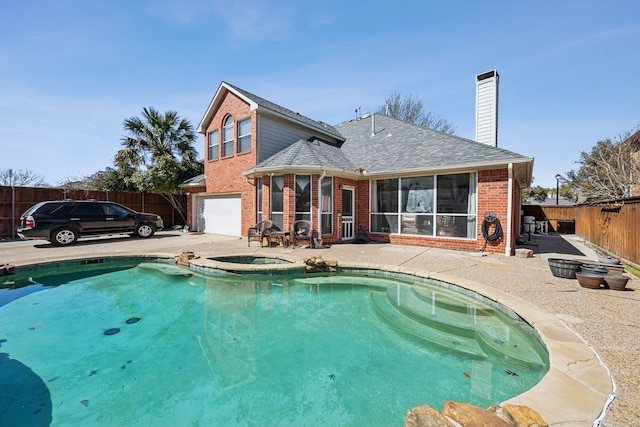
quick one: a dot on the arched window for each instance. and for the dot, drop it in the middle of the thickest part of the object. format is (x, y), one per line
(227, 137)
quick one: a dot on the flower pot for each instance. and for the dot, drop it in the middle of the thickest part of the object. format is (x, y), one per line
(609, 260)
(594, 268)
(565, 268)
(616, 281)
(590, 280)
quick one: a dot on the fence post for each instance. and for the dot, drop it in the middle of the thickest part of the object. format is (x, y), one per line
(13, 205)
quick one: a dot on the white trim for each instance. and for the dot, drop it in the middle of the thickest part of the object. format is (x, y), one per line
(507, 248)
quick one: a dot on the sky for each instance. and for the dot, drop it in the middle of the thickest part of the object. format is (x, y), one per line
(71, 71)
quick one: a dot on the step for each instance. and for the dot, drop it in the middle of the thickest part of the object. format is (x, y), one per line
(389, 313)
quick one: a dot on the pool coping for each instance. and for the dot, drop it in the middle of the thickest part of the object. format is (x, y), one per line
(576, 390)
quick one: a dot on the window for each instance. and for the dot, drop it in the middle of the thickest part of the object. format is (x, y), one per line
(259, 199)
(277, 201)
(443, 206)
(416, 205)
(213, 145)
(326, 206)
(384, 206)
(227, 137)
(457, 200)
(303, 197)
(244, 135)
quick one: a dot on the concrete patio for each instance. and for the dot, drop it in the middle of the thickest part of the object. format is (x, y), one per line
(580, 326)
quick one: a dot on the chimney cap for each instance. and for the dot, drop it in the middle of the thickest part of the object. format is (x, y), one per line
(487, 75)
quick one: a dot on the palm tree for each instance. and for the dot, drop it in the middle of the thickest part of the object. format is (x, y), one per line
(156, 135)
(160, 150)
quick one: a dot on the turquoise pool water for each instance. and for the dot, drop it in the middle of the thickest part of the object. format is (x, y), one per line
(259, 350)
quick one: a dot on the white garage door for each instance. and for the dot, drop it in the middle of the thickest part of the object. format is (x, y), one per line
(219, 215)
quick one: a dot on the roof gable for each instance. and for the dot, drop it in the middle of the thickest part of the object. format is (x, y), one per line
(313, 154)
(267, 107)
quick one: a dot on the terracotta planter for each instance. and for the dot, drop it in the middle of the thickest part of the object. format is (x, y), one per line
(590, 280)
(616, 281)
(595, 269)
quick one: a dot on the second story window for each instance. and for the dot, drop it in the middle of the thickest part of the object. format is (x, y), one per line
(213, 145)
(244, 135)
(227, 137)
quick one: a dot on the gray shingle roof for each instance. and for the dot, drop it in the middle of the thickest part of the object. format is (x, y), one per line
(398, 146)
(314, 154)
(278, 109)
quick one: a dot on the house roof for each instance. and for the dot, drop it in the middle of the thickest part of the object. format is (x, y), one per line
(310, 155)
(382, 144)
(264, 106)
(198, 180)
(375, 145)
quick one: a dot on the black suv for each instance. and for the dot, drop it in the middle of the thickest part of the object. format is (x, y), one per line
(62, 221)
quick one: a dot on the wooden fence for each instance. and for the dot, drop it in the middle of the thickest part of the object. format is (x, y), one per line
(561, 218)
(25, 197)
(611, 227)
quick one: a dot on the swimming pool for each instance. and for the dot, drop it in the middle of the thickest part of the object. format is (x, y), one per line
(211, 349)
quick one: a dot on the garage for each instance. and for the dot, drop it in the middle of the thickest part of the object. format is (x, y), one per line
(218, 214)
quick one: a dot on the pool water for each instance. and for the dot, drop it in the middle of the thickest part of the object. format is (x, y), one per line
(223, 350)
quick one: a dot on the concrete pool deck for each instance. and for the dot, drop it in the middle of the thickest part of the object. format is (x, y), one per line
(578, 387)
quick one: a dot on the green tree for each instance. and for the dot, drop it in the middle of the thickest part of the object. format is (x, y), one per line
(539, 194)
(410, 109)
(158, 155)
(610, 170)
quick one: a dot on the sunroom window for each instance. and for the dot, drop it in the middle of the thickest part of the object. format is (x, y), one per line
(439, 206)
(277, 201)
(259, 199)
(326, 206)
(303, 197)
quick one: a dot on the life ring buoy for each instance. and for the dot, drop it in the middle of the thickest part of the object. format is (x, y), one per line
(497, 231)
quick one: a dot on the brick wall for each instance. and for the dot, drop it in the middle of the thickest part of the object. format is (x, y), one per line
(224, 175)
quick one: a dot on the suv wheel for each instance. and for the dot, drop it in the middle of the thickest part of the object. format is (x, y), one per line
(145, 230)
(64, 236)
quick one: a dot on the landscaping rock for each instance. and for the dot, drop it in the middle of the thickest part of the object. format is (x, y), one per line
(520, 416)
(426, 416)
(456, 414)
(468, 415)
(185, 257)
(6, 269)
(316, 264)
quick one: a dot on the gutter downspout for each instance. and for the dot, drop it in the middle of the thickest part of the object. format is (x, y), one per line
(507, 249)
(324, 173)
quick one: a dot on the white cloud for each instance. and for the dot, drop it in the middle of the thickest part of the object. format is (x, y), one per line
(254, 20)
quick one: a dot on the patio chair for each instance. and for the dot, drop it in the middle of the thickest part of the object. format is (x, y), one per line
(302, 230)
(259, 232)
